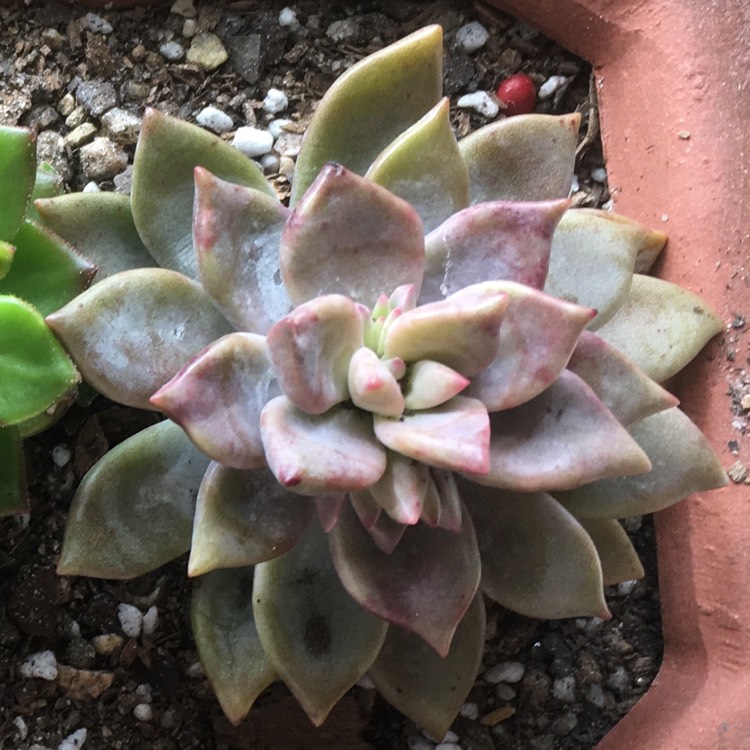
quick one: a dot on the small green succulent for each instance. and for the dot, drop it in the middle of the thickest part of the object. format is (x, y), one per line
(426, 382)
(38, 273)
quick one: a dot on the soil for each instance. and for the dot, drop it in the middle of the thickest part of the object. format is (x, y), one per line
(564, 683)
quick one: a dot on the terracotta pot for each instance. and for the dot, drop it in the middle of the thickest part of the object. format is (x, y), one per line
(666, 69)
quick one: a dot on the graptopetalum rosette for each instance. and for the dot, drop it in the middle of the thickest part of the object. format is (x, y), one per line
(388, 401)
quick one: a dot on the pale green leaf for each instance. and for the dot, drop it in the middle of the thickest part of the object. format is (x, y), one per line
(616, 553)
(17, 168)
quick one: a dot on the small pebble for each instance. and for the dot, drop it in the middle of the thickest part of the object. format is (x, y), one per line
(184, 8)
(42, 664)
(143, 712)
(150, 620)
(564, 689)
(214, 119)
(599, 174)
(472, 36)
(551, 86)
(66, 105)
(505, 671)
(96, 97)
(131, 619)
(619, 680)
(97, 24)
(207, 51)
(276, 101)
(288, 19)
(276, 127)
(470, 711)
(76, 118)
(365, 682)
(450, 737)
(189, 28)
(172, 51)
(60, 455)
(479, 101)
(21, 727)
(340, 31)
(448, 746)
(626, 587)
(286, 167)
(288, 144)
(420, 743)
(74, 741)
(91, 187)
(504, 692)
(81, 135)
(121, 126)
(595, 696)
(565, 723)
(102, 159)
(253, 141)
(106, 644)
(270, 163)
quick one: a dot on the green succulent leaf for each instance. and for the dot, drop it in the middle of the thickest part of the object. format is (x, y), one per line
(563, 438)
(46, 271)
(454, 435)
(389, 91)
(401, 489)
(12, 473)
(52, 414)
(320, 454)
(48, 183)
(546, 566)
(683, 462)
(593, 257)
(616, 553)
(221, 613)
(7, 251)
(236, 231)
(17, 172)
(133, 512)
(427, 688)
(310, 350)
(168, 151)
(133, 332)
(661, 327)
(497, 240)
(462, 331)
(624, 389)
(350, 236)
(35, 371)
(243, 518)
(100, 226)
(535, 341)
(425, 585)
(319, 640)
(424, 167)
(522, 158)
(218, 396)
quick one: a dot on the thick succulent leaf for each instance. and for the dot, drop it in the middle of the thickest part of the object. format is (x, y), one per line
(451, 511)
(592, 259)
(329, 508)
(427, 688)
(461, 331)
(616, 553)
(350, 236)
(425, 585)
(683, 462)
(536, 557)
(429, 384)
(401, 489)
(221, 613)
(134, 510)
(661, 327)
(366, 508)
(536, 340)
(17, 172)
(496, 240)
(244, 518)
(133, 332)
(44, 420)
(319, 640)
(389, 91)
(46, 271)
(624, 389)
(12, 473)
(386, 533)
(218, 396)
(100, 226)
(432, 506)
(47, 184)
(320, 454)
(168, 151)
(454, 436)
(424, 167)
(7, 252)
(236, 232)
(35, 371)
(563, 438)
(373, 386)
(522, 158)
(311, 348)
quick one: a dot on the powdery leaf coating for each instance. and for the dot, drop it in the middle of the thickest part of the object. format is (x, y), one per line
(133, 332)
(424, 167)
(244, 518)
(221, 614)
(218, 396)
(425, 585)
(320, 454)
(563, 438)
(617, 556)
(496, 240)
(372, 385)
(350, 236)
(661, 327)
(428, 688)
(536, 558)
(454, 435)
(134, 510)
(522, 158)
(236, 233)
(319, 640)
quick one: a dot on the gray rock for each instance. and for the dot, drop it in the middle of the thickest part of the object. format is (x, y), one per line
(124, 181)
(96, 96)
(42, 117)
(207, 51)
(97, 24)
(80, 135)
(565, 723)
(102, 159)
(50, 147)
(341, 31)
(121, 126)
(172, 51)
(246, 55)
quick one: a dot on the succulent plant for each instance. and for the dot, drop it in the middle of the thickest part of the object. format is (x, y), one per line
(38, 273)
(425, 382)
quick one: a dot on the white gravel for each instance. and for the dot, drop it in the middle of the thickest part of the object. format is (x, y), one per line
(60, 455)
(131, 619)
(276, 101)
(150, 620)
(74, 741)
(505, 671)
(551, 86)
(214, 119)
(288, 19)
(479, 101)
(472, 36)
(253, 141)
(42, 664)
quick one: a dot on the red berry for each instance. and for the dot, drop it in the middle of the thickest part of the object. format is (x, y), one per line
(518, 94)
